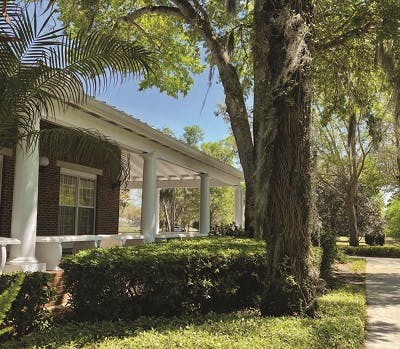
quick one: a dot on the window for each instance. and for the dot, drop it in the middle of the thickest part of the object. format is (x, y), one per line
(76, 204)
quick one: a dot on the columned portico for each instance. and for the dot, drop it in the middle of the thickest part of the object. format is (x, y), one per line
(239, 214)
(24, 208)
(149, 198)
(204, 203)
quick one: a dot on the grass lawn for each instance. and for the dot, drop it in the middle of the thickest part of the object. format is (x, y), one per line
(340, 323)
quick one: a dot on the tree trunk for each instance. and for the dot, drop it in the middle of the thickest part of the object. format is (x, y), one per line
(249, 208)
(284, 165)
(352, 215)
(351, 195)
(396, 127)
(173, 210)
(166, 214)
(234, 98)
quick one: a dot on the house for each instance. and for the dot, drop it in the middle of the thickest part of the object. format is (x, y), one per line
(42, 197)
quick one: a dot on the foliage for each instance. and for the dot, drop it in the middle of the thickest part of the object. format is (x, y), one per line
(372, 251)
(375, 239)
(393, 218)
(179, 46)
(339, 322)
(28, 311)
(221, 198)
(166, 279)
(181, 206)
(193, 136)
(230, 229)
(329, 252)
(332, 210)
(7, 297)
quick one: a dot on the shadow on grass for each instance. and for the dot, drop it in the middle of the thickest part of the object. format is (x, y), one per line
(334, 327)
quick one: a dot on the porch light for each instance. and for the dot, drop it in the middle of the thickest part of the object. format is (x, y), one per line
(44, 161)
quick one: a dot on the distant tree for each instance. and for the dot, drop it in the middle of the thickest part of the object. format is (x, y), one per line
(222, 198)
(393, 218)
(193, 136)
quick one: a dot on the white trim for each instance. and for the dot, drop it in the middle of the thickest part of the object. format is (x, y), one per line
(6, 152)
(134, 136)
(80, 175)
(85, 171)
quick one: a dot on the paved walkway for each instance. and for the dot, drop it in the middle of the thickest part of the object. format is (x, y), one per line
(383, 299)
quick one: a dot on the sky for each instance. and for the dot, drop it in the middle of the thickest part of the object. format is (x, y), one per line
(159, 110)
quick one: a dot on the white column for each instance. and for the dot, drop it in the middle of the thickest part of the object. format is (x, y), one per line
(239, 207)
(149, 198)
(204, 203)
(24, 207)
(158, 211)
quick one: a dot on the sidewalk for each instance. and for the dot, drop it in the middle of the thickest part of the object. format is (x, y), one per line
(383, 299)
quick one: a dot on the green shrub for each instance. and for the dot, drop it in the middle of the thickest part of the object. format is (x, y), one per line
(372, 251)
(329, 252)
(375, 239)
(228, 230)
(28, 309)
(165, 279)
(393, 218)
(7, 297)
(198, 276)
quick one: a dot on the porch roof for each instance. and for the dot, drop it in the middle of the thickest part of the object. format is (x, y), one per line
(178, 165)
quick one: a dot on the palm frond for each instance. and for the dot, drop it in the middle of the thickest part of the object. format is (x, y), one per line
(46, 70)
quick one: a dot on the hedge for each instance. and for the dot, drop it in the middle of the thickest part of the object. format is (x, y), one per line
(372, 251)
(28, 311)
(173, 278)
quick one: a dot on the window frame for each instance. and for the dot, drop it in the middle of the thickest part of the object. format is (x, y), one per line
(80, 175)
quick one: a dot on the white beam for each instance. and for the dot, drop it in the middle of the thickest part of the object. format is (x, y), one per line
(178, 183)
(149, 198)
(204, 204)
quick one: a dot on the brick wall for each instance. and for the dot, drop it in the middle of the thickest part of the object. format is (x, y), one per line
(49, 187)
(107, 199)
(6, 196)
(107, 206)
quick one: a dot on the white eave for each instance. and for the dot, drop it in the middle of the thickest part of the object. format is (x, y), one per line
(148, 139)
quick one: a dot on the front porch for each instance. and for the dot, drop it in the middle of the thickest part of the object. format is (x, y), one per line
(47, 203)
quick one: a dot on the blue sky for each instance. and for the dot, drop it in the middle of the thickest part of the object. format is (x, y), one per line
(159, 110)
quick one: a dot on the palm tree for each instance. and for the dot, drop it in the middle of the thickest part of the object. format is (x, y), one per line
(43, 70)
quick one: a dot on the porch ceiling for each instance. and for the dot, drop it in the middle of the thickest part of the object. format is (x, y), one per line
(168, 175)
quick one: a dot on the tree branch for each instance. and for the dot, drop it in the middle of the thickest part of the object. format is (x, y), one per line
(343, 38)
(162, 10)
(332, 187)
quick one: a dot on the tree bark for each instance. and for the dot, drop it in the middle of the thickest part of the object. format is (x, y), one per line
(351, 195)
(284, 164)
(352, 214)
(396, 127)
